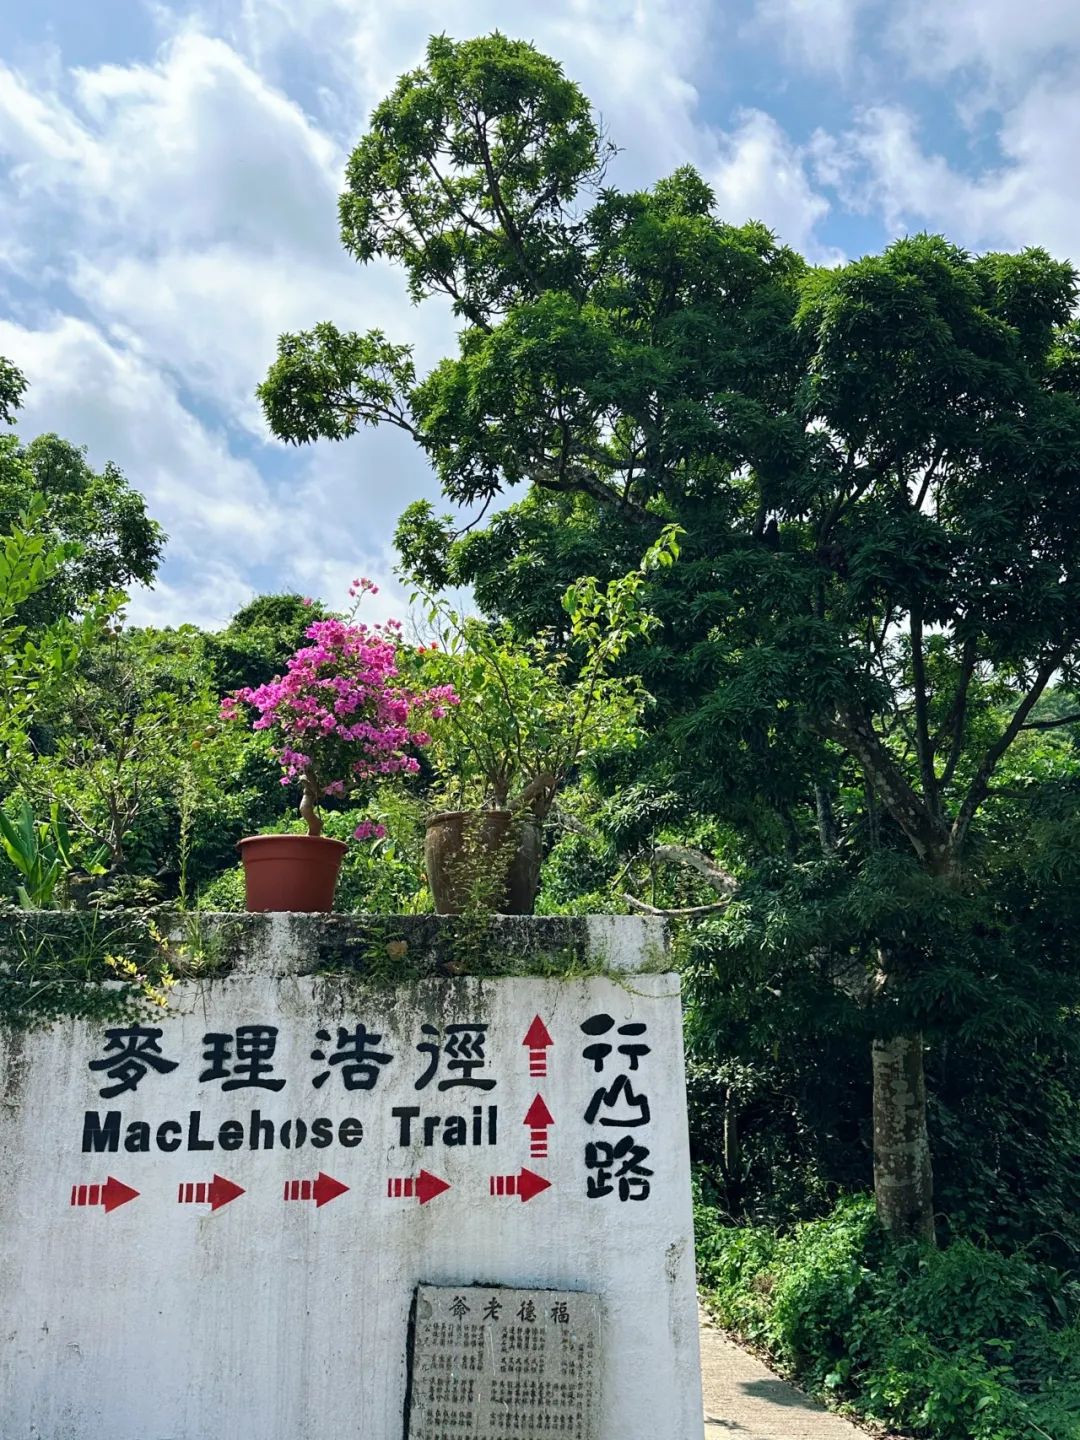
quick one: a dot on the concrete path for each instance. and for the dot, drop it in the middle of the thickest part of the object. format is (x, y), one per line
(744, 1400)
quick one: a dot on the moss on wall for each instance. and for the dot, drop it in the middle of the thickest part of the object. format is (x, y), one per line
(56, 963)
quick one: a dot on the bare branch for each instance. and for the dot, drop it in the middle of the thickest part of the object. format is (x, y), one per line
(500, 206)
(848, 498)
(956, 720)
(687, 910)
(546, 477)
(926, 833)
(718, 878)
(928, 477)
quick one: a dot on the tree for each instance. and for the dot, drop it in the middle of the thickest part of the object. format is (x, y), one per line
(259, 639)
(114, 541)
(12, 388)
(875, 467)
(131, 719)
(30, 669)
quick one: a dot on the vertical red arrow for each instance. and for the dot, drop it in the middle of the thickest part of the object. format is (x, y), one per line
(524, 1184)
(538, 1040)
(111, 1195)
(538, 1117)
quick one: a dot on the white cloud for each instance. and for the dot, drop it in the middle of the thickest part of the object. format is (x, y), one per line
(191, 148)
(225, 521)
(759, 174)
(818, 34)
(636, 60)
(206, 598)
(36, 132)
(882, 164)
(640, 64)
(1004, 41)
(123, 409)
(195, 219)
(213, 314)
(183, 211)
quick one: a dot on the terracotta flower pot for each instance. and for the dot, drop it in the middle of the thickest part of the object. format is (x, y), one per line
(487, 859)
(291, 872)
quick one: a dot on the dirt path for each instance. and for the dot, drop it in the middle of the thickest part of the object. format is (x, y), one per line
(746, 1401)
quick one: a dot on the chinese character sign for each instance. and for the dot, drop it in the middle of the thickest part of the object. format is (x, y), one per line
(320, 1147)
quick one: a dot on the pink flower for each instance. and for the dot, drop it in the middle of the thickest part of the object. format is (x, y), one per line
(343, 714)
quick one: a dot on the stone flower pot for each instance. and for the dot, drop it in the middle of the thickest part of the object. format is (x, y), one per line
(291, 872)
(483, 859)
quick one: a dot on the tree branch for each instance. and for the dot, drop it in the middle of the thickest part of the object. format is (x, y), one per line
(1050, 724)
(927, 835)
(512, 233)
(980, 785)
(846, 499)
(544, 475)
(923, 744)
(687, 910)
(956, 719)
(718, 878)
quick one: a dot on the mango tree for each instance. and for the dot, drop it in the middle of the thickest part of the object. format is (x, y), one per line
(875, 468)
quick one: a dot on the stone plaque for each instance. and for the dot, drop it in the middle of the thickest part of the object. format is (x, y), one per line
(500, 1364)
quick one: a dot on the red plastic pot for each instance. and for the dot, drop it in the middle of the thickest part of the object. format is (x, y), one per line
(291, 872)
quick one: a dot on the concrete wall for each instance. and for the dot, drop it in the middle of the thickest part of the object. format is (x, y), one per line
(188, 1310)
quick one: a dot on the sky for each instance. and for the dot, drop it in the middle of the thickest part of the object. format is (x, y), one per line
(168, 184)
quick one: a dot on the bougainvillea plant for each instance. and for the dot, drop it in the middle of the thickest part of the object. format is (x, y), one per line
(342, 716)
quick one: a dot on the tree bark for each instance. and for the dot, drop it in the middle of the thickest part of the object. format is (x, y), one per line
(903, 1177)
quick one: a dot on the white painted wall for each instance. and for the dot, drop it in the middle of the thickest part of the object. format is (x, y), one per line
(277, 1320)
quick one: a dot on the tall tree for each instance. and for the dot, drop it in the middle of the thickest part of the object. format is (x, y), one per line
(113, 541)
(875, 466)
(12, 388)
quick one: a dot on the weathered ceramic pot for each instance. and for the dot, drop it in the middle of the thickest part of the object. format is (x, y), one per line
(486, 859)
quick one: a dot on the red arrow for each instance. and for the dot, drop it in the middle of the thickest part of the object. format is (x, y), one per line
(424, 1188)
(322, 1190)
(538, 1039)
(525, 1184)
(111, 1195)
(538, 1117)
(218, 1192)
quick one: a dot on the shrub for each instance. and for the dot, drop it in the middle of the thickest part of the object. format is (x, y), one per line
(962, 1343)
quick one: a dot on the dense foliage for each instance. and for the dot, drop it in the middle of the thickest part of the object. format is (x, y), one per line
(112, 540)
(962, 1343)
(838, 739)
(874, 467)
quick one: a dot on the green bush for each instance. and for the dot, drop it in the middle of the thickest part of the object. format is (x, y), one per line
(962, 1343)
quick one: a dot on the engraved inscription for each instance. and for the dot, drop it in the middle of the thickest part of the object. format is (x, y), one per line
(499, 1364)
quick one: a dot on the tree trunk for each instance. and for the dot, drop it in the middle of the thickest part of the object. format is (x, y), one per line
(903, 1179)
(732, 1160)
(309, 806)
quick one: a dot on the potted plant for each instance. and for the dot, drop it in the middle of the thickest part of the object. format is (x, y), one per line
(343, 718)
(528, 714)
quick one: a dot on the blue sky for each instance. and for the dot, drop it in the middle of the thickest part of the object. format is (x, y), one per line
(169, 171)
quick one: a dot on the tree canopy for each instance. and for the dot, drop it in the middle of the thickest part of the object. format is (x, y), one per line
(114, 542)
(874, 466)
